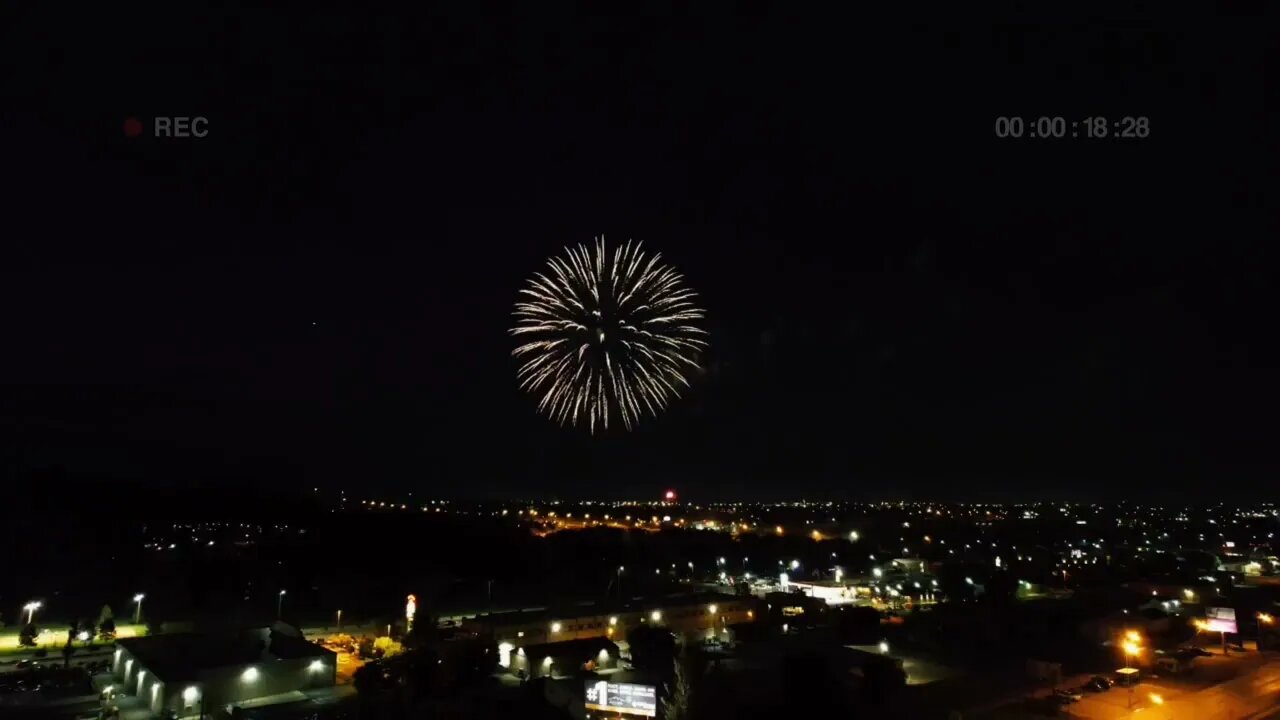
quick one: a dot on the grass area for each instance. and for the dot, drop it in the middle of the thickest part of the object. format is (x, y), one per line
(53, 640)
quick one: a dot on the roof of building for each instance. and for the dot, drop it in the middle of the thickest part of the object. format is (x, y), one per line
(589, 609)
(175, 657)
(584, 647)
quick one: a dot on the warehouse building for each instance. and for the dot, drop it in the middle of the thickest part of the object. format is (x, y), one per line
(191, 674)
(694, 616)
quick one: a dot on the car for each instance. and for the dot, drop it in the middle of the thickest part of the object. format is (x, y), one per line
(28, 664)
(1067, 695)
(1097, 683)
(1200, 652)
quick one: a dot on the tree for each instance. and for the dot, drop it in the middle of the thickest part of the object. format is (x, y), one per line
(651, 648)
(27, 637)
(675, 702)
(107, 630)
(389, 647)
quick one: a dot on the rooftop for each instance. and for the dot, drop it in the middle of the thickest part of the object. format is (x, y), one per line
(175, 657)
(588, 609)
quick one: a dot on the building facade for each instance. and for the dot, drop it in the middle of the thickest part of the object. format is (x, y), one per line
(193, 673)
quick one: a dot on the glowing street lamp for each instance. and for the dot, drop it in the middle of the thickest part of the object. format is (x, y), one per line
(31, 609)
(1131, 649)
(280, 604)
(137, 608)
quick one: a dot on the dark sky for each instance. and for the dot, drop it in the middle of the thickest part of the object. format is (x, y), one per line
(901, 304)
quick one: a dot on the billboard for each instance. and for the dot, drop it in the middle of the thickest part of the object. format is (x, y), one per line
(1220, 619)
(622, 698)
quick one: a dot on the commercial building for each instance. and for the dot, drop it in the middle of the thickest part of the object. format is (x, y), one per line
(697, 616)
(559, 659)
(194, 673)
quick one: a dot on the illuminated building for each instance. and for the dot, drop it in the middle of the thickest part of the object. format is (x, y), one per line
(187, 673)
(697, 616)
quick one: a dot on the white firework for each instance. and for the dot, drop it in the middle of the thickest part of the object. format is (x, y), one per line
(606, 334)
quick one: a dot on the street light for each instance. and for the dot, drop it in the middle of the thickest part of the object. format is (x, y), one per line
(1131, 649)
(339, 619)
(137, 608)
(280, 604)
(31, 609)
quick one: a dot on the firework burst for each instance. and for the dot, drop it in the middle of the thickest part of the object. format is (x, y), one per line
(606, 335)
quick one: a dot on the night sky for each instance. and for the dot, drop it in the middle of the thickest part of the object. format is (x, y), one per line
(900, 304)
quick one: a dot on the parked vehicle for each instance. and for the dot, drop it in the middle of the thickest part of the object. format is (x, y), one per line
(1097, 683)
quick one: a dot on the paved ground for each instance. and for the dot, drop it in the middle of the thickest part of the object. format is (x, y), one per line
(1241, 686)
(1221, 689)
(348, 663)
(919, 671)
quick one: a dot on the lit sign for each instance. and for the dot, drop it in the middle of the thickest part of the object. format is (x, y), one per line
(622, 698)
(410, 608)
(1220, 619)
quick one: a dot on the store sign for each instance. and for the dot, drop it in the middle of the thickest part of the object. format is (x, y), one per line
(1220, 619)
(626, 698)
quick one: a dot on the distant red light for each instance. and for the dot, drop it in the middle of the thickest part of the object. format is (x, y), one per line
(671, 495)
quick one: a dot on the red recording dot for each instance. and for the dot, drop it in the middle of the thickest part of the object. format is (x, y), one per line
(132, 127)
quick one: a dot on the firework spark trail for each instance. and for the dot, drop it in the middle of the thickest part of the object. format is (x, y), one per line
(608, 334)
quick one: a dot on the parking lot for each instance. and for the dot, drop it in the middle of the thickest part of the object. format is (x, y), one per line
(1226, 688)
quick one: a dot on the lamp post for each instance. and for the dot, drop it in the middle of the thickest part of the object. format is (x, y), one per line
(1131, 649)
(280, 604)
(339, 619)
(137, 608)
(31, 609)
